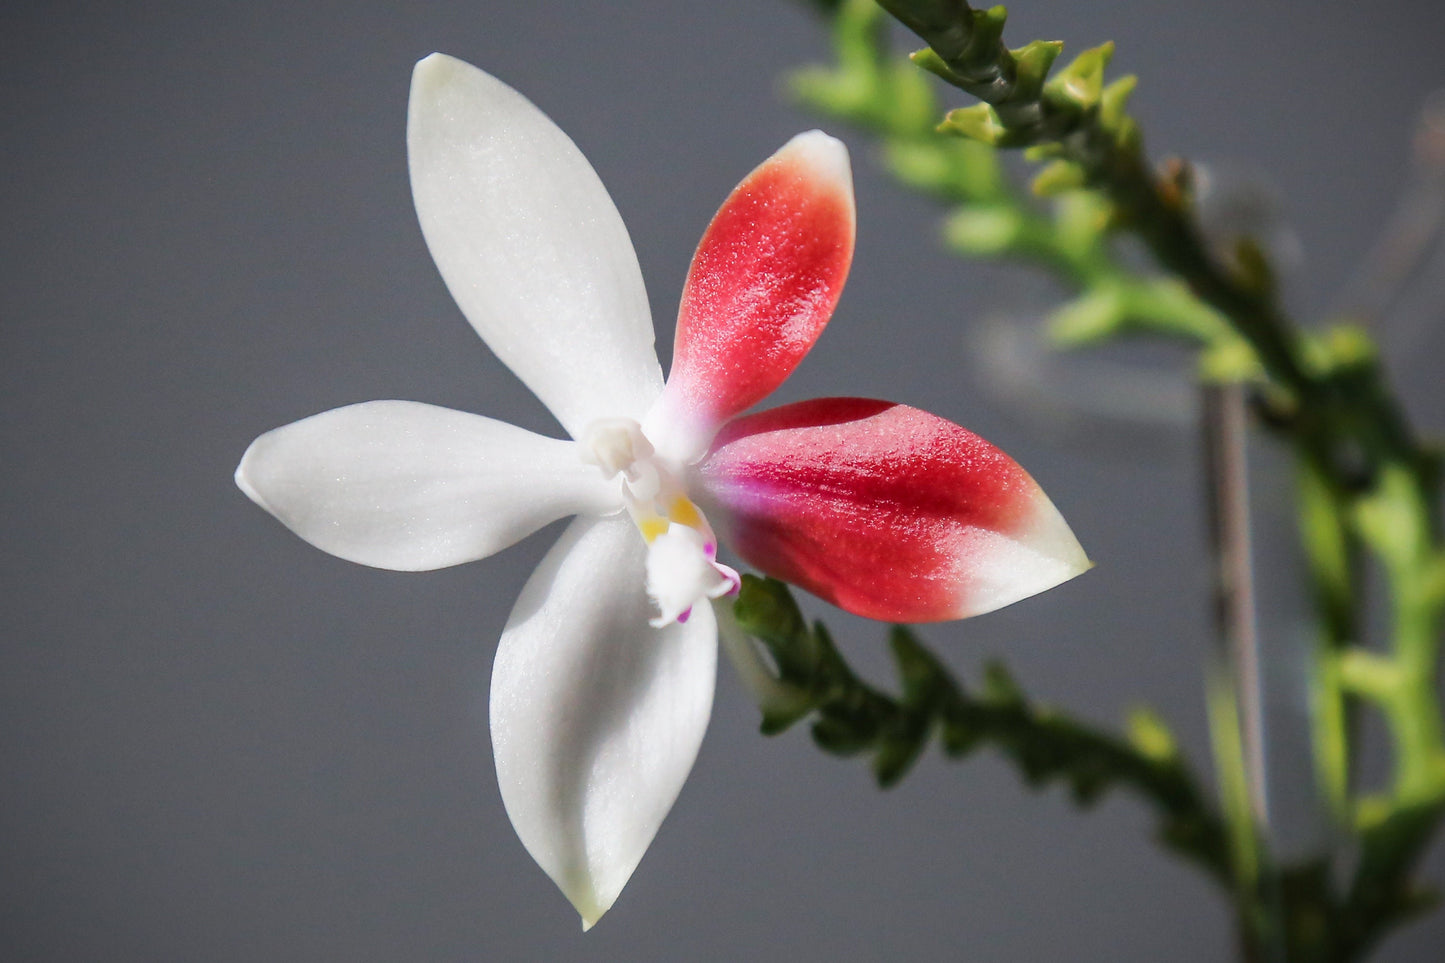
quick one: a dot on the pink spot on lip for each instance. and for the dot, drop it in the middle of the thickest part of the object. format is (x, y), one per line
(686, 613)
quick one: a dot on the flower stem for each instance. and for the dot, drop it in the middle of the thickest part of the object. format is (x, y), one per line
(850, 717)
(1369, 490)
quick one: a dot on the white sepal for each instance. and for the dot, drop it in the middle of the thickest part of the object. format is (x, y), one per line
(596, 716)
(408, 486)
(530, 245)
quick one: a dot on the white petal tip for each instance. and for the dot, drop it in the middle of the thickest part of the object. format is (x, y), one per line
(1059, 556)
(586, 898)
(826, 155)
(437, 68)
(436, 81)
(243, 475)
(590, 904)
(1008, 569)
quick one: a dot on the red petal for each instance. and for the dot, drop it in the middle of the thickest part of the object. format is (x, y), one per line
(885, 510)
(762, 285)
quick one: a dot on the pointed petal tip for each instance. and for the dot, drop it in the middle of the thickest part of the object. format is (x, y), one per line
(435, 69)
(1051, 535)
(436, 81)
(430, 79)
(590, 916)
(243, 474)
(1042, 554)
(826, 155)
(590, 904)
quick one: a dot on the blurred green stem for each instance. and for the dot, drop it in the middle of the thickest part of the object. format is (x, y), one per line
(807, 678)
(1368, 490)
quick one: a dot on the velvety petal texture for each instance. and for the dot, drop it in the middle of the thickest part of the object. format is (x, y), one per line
(530, 245)
(403, 485)
(885, 510)
(763, 284)
(596, 716)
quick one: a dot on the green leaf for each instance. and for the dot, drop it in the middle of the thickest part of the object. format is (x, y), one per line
(929, 60)
(1254, 270)
(983, 230)
(1091, 317)
(766, 610)
(1228, 361)
(1350, 346)
(979, 122)
(1114, 101)
(839, 735)
(917, 669)
(999, 686)
(1150, 736)
(1039, 153)
(1032, 63)
(1058, 177)
(988, 28)
(1081, 83)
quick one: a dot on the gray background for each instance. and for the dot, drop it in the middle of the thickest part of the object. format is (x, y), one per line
(220, 744)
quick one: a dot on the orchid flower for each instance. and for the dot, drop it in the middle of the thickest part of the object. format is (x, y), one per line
(603, 680)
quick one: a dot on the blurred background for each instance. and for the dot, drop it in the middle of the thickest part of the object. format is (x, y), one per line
(221, 744)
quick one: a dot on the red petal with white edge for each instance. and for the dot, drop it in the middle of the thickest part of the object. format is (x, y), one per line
(885, 510)
(762, 285)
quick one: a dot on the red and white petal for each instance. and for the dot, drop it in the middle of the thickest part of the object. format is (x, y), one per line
(885, 510)
(530, 245)
(407, 486)
(762, 285)
(596, 716)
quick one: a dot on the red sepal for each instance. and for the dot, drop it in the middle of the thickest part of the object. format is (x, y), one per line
(885, 510)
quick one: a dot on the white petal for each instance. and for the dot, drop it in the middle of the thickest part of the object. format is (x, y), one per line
(402, 485)
(596, 716)
(530, 245)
